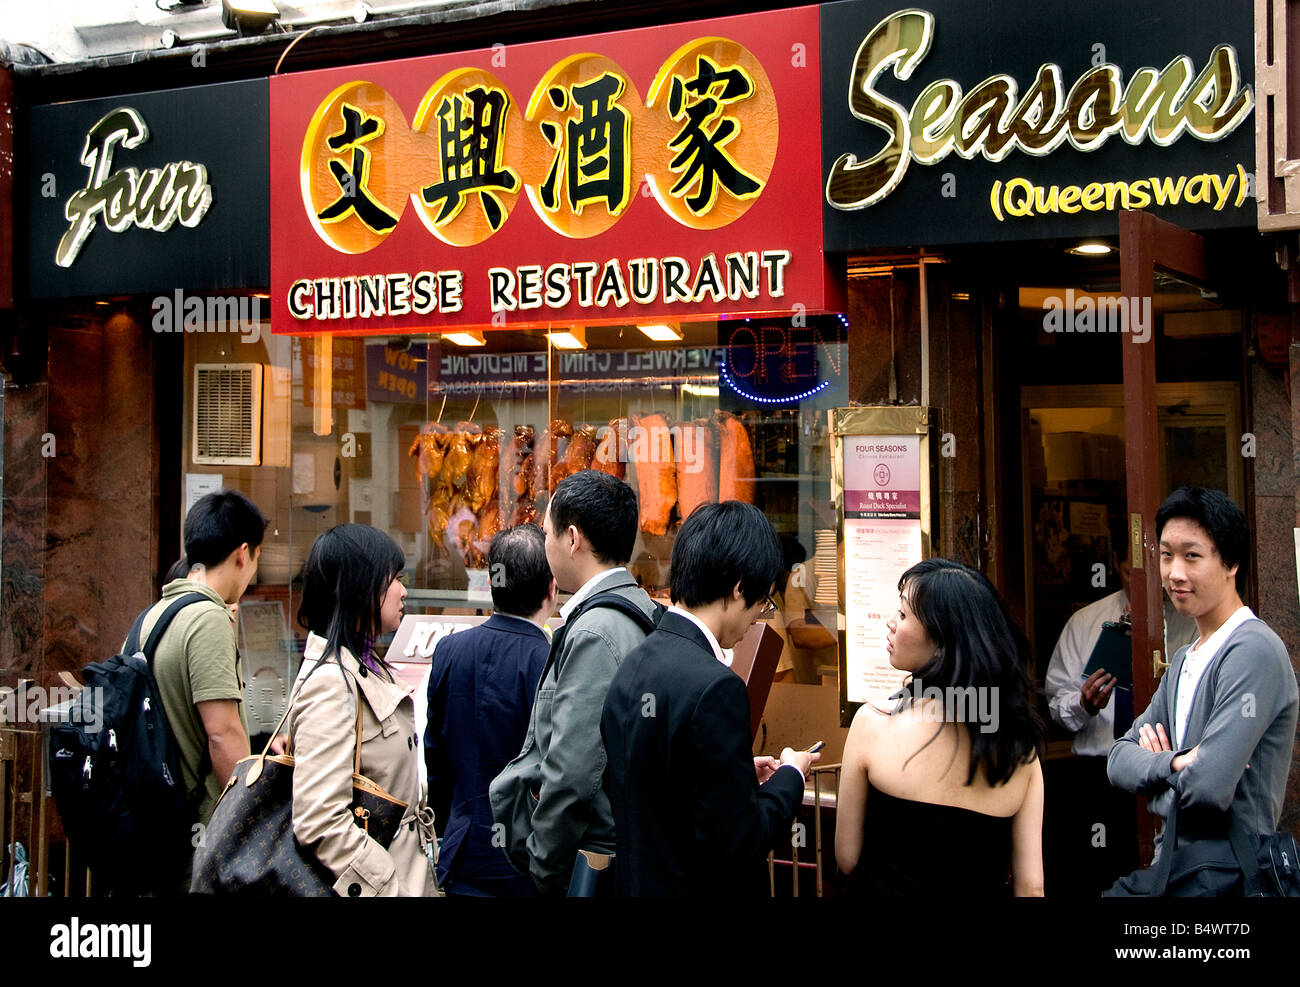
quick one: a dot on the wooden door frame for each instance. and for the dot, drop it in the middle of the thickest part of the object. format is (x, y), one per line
(1147, 243)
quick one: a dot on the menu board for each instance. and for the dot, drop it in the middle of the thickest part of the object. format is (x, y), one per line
(882, 540)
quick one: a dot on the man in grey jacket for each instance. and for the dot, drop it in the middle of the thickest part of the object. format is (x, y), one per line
(1219, 731)
(549, 799)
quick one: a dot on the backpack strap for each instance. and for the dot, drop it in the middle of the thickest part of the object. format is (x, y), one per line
(1247, 858)
(616, 601)
(160, 626)
(1166, 862)
(609, 600)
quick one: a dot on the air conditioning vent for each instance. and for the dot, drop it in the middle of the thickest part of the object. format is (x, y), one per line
(227, 414)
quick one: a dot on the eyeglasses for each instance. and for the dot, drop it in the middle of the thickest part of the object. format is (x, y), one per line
(768, 611)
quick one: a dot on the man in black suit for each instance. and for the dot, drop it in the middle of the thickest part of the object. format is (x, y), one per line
(481, 689)
(694, 812)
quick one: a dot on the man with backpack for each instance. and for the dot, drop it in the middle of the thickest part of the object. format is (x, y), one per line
(197, 663)
(549, 799)
(141, 761)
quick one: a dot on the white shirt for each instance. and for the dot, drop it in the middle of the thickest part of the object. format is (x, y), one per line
(717, 653)
(512, 616)
(1094, 735)
(1198, 659)
(708, 634)
(586, 589)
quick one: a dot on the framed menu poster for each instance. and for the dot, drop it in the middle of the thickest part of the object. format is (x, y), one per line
(881, 484)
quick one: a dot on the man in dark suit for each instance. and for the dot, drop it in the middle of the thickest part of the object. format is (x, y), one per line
(694, 812)
(481, 689)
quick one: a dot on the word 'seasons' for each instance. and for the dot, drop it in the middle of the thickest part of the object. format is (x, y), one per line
(586, 283)
(993, 119)
(152, 198)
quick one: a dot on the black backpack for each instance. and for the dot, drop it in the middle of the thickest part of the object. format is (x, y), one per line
(115, 772)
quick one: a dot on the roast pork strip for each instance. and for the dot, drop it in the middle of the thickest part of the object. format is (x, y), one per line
(736, 459)
(611, 452)
(651, 448)
(697, 466)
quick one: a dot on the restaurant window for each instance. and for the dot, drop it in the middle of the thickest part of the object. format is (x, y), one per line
(444, 440)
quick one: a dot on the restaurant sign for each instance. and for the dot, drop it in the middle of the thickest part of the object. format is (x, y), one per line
(930, 114)
(148, 193)
(658, 173)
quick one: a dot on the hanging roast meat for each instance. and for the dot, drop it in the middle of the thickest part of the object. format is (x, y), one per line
(455, 465)
(736, 459)
(577, 455)
(611, 450)
(489, 523)
(439, 515)
(651, 448)
(517, 467)
(429, 448)
(555, 440)
(485, 460)
(697, 465)
(524, 513)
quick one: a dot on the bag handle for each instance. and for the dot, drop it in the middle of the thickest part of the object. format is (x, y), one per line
(1247, 860)
(1166, 861)
(356, 757)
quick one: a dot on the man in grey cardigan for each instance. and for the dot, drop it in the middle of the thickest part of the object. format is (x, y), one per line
(549, 800)
(1219, 731)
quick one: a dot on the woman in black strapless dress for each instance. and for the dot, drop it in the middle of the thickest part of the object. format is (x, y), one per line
(943, 795)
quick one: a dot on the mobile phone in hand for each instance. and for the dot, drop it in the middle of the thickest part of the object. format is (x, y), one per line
(816, 747)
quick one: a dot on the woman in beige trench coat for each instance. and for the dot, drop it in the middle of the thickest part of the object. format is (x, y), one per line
(350, 596)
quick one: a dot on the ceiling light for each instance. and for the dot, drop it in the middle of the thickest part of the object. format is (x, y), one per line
(700, 390)
(249, 16)
(661, 332)
(1093, 249)
(569, 339)
(464, 338)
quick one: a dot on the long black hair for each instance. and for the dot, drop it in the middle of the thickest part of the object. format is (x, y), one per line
(978, 645)
(344, 581)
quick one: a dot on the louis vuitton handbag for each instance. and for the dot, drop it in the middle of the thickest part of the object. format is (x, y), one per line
(249, 846)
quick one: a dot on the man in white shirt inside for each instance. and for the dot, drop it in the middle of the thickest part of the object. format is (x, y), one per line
(1092, 839)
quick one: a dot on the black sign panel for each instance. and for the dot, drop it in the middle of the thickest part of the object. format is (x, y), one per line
(149, 192)
(983, 120)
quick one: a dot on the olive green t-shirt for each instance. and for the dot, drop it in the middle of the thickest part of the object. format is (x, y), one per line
(196, 660)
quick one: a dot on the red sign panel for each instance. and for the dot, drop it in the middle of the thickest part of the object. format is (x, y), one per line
(669, 173)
